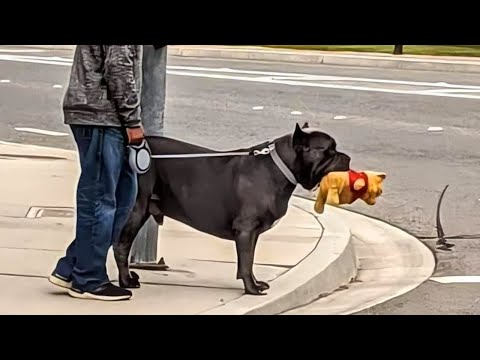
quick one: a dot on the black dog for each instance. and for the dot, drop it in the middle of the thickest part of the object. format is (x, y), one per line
(234, 198)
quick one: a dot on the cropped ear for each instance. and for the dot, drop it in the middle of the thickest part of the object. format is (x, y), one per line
(300, 138)
(305, 126)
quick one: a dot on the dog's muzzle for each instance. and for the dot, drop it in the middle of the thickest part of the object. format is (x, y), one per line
(140, 157)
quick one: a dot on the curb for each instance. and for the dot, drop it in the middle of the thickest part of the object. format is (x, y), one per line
(307, 281)
(51, 47)
(328, 58)
(392, 263)
(405, 62)
(12, 148)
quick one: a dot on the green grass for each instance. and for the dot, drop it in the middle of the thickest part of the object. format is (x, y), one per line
(445, 50)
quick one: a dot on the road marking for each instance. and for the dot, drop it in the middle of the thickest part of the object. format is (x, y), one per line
(57, 86)
(456, 279)
(339, 117)
(256, 108)
(22, 50)
(452, 91)
(42, 132)
(4, 81)
(310, 77)
(37, 59)
(435, 129)
(291, 79)
(296, 113)
(274, 75)
(320, 85)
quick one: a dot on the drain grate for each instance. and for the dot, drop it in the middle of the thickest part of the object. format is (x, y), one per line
(36, 212)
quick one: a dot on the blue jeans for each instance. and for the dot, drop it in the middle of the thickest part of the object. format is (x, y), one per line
(106, 194)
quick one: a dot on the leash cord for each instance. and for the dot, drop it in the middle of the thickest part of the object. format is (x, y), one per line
(187, 156)
(264, 151)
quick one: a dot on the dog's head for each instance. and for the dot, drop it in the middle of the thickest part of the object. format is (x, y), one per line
(316, 156)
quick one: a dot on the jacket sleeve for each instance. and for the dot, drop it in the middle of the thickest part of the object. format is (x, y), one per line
(121, 83)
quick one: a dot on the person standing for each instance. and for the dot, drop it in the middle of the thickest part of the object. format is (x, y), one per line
(102, 107)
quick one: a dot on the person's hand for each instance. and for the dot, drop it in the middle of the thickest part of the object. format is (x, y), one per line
(135, 135)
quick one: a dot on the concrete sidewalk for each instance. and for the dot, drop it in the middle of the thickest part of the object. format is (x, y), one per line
(301, 257)
(362, 59)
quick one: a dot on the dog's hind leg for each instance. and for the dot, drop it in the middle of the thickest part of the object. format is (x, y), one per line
(121, 249)
(138, 216)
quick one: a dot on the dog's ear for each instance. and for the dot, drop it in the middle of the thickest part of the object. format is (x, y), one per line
(305, 126)
(300, 138)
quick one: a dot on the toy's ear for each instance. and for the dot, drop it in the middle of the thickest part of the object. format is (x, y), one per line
(382, 176)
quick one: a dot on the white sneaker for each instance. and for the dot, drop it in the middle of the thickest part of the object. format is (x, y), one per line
(60, 281)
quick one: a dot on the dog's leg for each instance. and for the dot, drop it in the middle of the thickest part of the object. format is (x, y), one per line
(245, 243)
(122, 248)
(261, 284)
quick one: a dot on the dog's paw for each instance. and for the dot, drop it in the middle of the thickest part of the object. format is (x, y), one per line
(255, 290)
(262, 285)
(132, 282)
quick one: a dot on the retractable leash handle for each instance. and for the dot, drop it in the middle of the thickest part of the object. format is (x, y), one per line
(140, 157)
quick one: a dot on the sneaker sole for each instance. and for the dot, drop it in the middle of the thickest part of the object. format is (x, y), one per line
(59, 282)
(89, 296)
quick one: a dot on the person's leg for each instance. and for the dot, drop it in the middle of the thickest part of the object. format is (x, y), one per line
(97, 199)
(62, 275)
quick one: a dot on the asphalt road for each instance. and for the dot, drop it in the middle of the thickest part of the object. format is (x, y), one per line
(379, 116)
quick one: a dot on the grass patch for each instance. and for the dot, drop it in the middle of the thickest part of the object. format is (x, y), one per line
(441, 50)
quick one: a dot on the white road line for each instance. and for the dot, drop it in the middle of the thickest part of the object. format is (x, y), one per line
(291, 79)
(37, 59)
(42, 132)
(22, 50)
(34, 58)
(456, 279)
(452, 91)
(4, 81)
(320, 85)
(310, 77)
(274, 75)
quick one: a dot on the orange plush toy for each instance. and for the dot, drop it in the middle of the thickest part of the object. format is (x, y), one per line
(339, 188)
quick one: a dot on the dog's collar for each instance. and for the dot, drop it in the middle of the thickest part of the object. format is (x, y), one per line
(281, 165)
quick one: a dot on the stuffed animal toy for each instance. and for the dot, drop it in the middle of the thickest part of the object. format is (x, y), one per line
(339, 188)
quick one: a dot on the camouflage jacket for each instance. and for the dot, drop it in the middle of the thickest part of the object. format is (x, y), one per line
(105, 86)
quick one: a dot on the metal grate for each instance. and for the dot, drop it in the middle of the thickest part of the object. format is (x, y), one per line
(36, 212)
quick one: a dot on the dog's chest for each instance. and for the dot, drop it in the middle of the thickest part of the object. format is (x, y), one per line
(277, 213)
